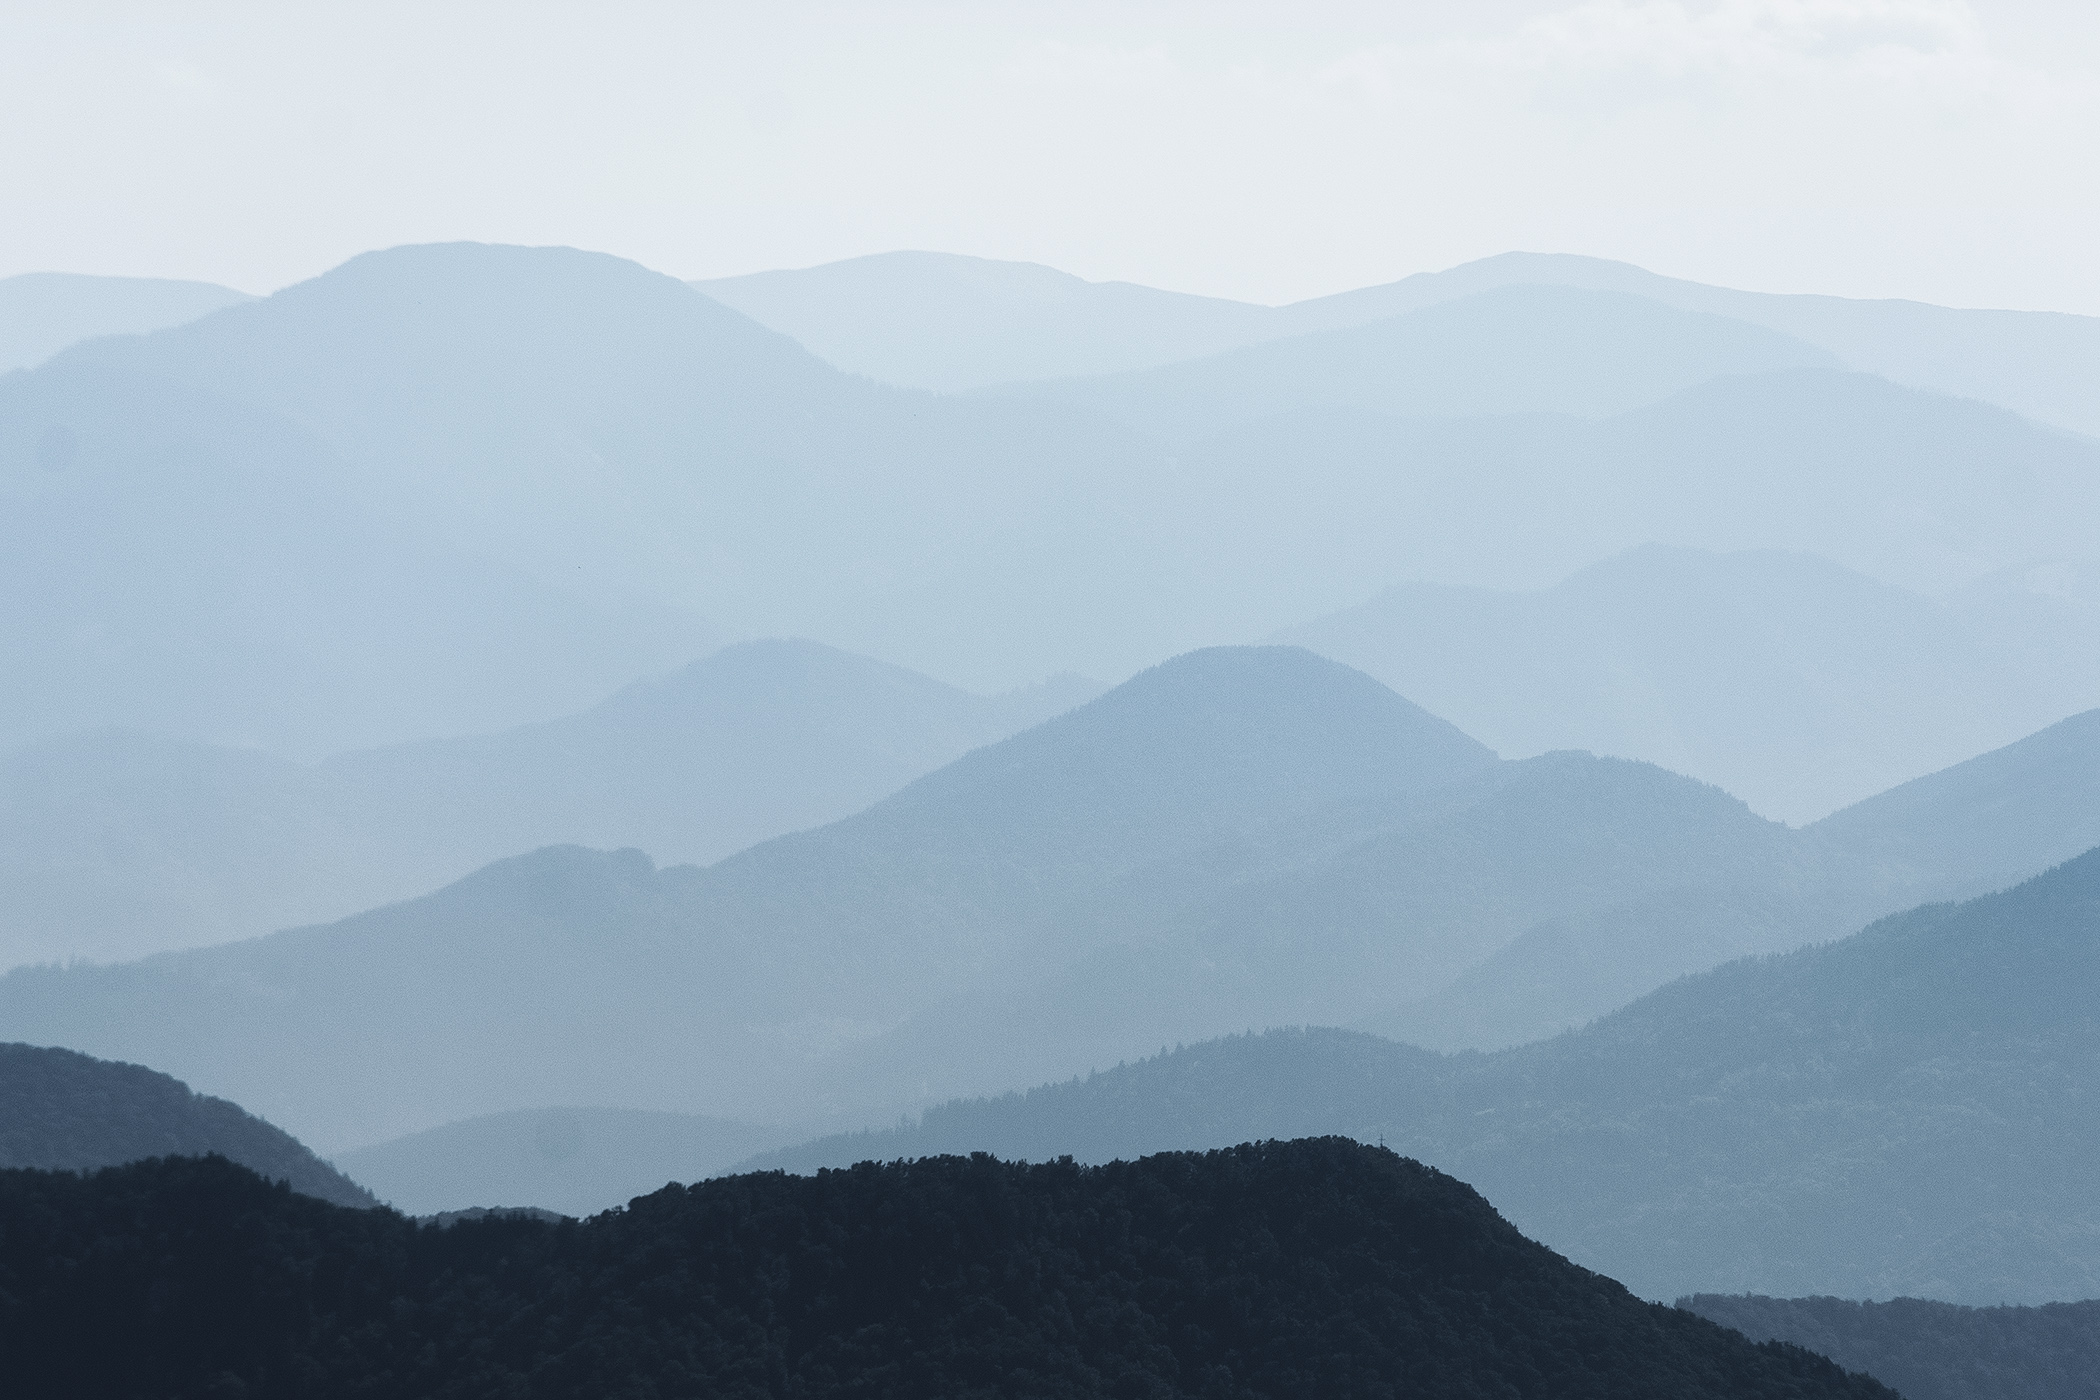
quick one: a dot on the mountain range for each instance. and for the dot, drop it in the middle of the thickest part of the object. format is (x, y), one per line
(116, 844)
(645, 459)
(1901, 1112)
(1241, 837)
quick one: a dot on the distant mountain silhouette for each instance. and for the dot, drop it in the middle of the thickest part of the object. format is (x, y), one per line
(576, 1161)
(1899, 1112)
(117, 844)
(1795, 684)
(1931, 1351)
(41, 313)
(1509, 351)
(947, 322)
(1278, 1270)
(65, 1111)
(1242, 836)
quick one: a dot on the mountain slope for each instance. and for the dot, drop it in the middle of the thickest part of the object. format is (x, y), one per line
(65, 1111)
(1991, 817)
(946, 322)
(1901, 1112)
(1283, 1269)
(1932, 1351)
(41, 313)
(1509, 351)
(1798, 685)
(118, 844)
(1244, 836)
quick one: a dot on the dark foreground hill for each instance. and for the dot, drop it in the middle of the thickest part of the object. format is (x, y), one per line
(64, 1111)
(1906, 1111)
(1286, 1269)
(1932, 1351)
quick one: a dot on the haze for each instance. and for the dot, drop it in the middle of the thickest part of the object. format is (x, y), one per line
(1910, 148)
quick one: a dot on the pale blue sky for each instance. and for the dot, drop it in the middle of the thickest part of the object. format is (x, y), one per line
(1264, 151)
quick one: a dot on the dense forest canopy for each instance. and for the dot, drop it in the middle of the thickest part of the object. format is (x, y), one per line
(1319, 1267)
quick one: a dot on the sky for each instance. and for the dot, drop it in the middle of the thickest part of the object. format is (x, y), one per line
(1918, 148)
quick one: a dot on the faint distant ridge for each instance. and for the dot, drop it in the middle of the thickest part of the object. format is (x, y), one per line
(1506, 351)
(70, 1112)
(945, 321)
(41, 313)
(948, 322)
(1931, 1351)
(1271, 1271)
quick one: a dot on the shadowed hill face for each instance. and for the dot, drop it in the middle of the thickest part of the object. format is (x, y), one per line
(1272, 1270)
(1903, 1111)
(69, 1112)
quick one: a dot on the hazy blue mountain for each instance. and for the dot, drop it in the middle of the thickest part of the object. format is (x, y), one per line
(116, 844)
(41, 313)
(188, 565)
(1928, 1350)
(1243, 836)
(612, 431)
(2043, 364)
(64, 1111)
(947, 322)
(1509, 351)
(576, 1161)
(627, 442)
(1904, 1111)
(1271, 1271)
(1796, 684)
(1991, 818)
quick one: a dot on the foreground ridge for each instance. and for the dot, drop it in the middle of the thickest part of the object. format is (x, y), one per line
(1312, 1267)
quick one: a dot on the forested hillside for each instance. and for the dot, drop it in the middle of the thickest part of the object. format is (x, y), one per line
(1279, 1270)
(66, 1111)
